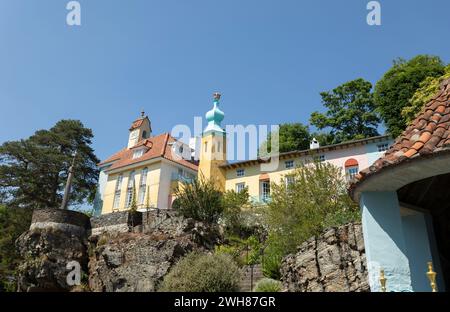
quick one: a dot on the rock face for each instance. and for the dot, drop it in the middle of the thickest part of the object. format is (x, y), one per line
(332, 262)
(46, 254)
(139, 261)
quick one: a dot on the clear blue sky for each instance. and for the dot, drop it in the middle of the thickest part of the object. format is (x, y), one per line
(270, 59)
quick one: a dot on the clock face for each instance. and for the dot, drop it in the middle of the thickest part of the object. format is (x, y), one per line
(134, 134)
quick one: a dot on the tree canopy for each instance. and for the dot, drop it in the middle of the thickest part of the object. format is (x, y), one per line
(427, 89)
(292, 137)
(398, 85)
(33, 171)
(350, 112)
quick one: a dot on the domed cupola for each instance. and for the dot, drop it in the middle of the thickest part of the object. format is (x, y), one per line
(214, 117)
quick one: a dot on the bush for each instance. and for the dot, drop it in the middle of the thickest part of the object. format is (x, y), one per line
(199, 200)
(272, 260)
(315, 200)
(203, 273)
(268, 285)
(233, 203)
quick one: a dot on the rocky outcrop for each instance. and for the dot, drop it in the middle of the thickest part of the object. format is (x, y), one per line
(139, 261)
(118, 252)
(332, 262)
(47, 255)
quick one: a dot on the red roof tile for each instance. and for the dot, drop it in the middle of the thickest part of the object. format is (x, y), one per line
(427, 135)
(157, 147)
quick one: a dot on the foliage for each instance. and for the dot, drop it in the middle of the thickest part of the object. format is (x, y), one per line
(427, 89)
(273, 255)
(350, 113)
(13, 222)
(243, 251)
(398, 85)
(133, 204)
(292, 137)
(233, 203)
(203, 273)
(200, 200)
(33, 171)
(315, 200)
(268, 285)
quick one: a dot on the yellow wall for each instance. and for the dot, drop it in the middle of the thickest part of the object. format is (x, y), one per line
(153, 178)
(252, 175)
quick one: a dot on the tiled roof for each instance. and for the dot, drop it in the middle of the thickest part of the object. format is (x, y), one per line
(157, 147)
(428, 134)
(137, 123)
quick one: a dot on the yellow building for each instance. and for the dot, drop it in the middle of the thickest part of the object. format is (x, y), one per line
(150, 166)
(154, 165)
(257, 175)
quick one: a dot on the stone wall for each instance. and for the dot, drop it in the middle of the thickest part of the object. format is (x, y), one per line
(332, 262)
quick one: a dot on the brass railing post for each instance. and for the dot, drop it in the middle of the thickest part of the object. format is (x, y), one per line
(382, 281)
(432, 277)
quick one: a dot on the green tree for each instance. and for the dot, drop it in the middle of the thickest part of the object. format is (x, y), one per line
(33, 171)
(13, 222)
(350, 112)
(233, 203)
(427, 89)
(292, 137)
(398, 85)
(200, 200)
(315, 200)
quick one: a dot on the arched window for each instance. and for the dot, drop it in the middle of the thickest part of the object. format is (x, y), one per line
(117, 191)
(144, 134)
(351, 168)
(142, 186)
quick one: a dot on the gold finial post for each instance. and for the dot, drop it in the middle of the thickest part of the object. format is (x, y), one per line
(382, 281)
(432, 277)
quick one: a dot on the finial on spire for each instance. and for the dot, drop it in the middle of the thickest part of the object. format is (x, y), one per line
(142, 113)
(216, 96)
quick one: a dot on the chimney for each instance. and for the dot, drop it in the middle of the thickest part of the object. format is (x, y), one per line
(314, 144)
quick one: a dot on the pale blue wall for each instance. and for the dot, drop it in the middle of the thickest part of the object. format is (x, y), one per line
(372, 151)
(384, 241)
(418, 249)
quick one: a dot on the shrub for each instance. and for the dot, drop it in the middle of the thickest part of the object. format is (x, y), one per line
(200, 200)
(271, 262)
(268, 285)
(233, 204)
(203, 273)
(316, 199)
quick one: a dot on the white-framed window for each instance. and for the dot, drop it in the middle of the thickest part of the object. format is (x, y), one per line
(240, 172)
(130, 188)
(351, 172)
(320, 158)
(383, 147)
(240, 187)
(289, 179)
(265, 190)
(138, 153)
(142, 186)
(289, 164)
(206, 147)
(117, 191)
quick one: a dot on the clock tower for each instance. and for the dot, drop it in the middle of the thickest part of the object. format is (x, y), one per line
(140, 129)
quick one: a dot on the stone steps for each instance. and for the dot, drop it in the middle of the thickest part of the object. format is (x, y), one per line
(246, 277)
